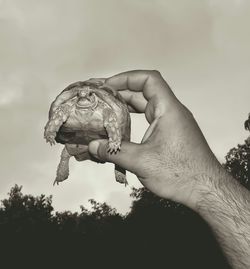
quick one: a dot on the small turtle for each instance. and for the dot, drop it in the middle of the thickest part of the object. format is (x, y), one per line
(82, 112)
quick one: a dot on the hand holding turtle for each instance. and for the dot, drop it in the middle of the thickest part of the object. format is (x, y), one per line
(175, 162)
(174, 157)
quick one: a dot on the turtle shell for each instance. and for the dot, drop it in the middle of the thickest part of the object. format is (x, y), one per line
(85, 125)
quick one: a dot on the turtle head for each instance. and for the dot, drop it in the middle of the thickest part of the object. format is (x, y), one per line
(86, 97)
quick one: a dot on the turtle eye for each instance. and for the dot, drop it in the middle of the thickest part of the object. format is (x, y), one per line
(91, 93)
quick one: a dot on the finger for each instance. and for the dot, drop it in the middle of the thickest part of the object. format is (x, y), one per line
(97, 79)
(124, 158)
(135, 100)
(154, 88)
(150, 83)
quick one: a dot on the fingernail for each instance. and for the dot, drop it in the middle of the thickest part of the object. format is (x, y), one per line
(93, 148)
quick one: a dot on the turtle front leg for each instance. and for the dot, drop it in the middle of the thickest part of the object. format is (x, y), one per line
(53, 125)
(62, 172)
(113, 130)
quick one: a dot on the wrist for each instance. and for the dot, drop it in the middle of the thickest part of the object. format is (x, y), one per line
(210, 186)
(224, 204)
(219, 192)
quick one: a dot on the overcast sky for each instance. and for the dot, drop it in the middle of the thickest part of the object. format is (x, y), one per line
(202, 48)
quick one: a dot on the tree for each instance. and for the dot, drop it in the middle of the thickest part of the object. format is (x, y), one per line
(20, 213)
(155, 232)
(238, 163)
(238, 160)
(169, 234)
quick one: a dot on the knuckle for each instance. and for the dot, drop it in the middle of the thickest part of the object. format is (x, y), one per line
(155, 73)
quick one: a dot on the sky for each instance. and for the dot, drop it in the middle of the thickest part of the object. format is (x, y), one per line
(202, 49)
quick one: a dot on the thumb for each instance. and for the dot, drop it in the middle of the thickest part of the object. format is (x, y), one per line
(128, 157)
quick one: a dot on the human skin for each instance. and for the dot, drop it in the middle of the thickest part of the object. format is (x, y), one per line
(175, 162)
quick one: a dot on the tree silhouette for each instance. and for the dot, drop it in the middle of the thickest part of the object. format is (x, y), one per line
(238, 163)
(171, 234)
(155, 233)
(238, 160)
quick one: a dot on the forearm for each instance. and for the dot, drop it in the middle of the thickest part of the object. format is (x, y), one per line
(225, 205)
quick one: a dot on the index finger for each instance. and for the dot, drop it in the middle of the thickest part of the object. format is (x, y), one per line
(151, 83)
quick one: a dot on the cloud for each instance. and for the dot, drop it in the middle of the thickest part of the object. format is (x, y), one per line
(9, 97)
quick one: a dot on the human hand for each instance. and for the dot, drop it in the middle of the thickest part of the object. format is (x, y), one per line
(174, 160)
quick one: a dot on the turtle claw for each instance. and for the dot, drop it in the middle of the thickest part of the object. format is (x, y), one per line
(56, 182)
(51, 143)
(114, 147)
(50, 139)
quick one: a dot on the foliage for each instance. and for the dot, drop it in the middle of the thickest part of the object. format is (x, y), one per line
(238, 160)
(154, 232)
(238, 163)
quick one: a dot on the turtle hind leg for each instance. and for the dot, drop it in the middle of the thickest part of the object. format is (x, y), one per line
(62, 172)
(120, 175)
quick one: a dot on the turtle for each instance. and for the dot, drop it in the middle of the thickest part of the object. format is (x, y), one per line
(82, 112)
